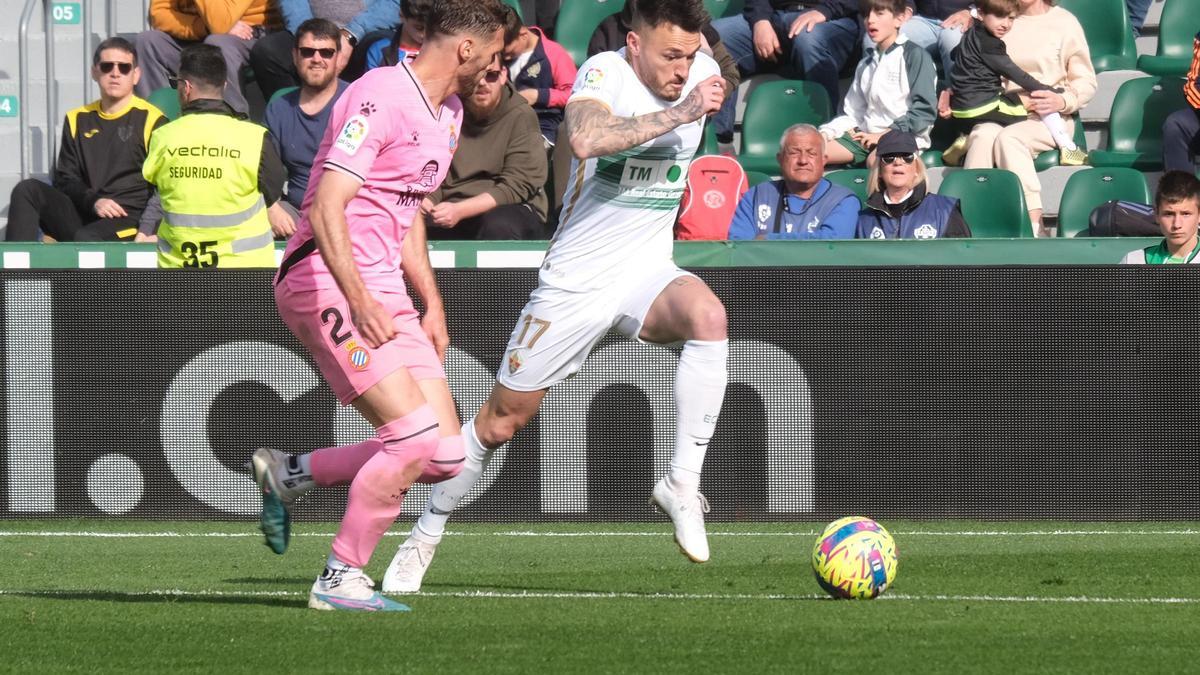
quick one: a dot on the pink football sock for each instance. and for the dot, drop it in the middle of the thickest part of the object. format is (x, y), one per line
(446, 462)
(378, 489)
(339, 466)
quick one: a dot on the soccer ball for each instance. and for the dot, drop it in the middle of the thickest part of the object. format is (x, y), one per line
(854, 558)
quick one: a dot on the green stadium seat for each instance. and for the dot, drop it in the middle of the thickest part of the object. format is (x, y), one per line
(992, 201)
(756, 177)
(1049, 159)
(772, 108)
(855, 179)
(719, 9)
(167, 101)
(1135, 124)
(1109, 35)
(516, 5)
(577, 20)
(708, 144)
(281, 92)
(1087, 189)
(1176, 36)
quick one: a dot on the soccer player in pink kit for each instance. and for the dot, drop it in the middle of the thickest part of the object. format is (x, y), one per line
(341, 292)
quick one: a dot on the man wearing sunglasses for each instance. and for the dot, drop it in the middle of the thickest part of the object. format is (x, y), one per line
(297, 119)
(216, 174)
(98, 191)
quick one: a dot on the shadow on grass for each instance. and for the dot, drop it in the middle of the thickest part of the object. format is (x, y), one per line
(275, 582)
(297, 602)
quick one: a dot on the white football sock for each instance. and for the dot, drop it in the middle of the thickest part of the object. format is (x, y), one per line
(447, 494)
(700, 383)
(1058, 129)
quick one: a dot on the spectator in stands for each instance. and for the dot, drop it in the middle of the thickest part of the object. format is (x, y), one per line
(98, 192)
(899, 205)
(807, 39)
(540, 70)
(1181, 130)
(1137, 14)
(272, 57)
(403, 43)
(1048, 43)
(804, 204)
(981, 69)
(610, 35)
(231, 26)
(297, 119)
(494, 188)
(1177, 210)
(894, 87)
(216, 174)
(938, 26)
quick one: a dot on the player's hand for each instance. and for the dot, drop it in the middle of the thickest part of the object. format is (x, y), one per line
(805, 22)
(960, 20)
(107, 208)
(281, 221)
(445, 214)
(1046, 102)
(434, 326)
(944, 104)
(372, 321)
(766, 42)
(705, 99)
(242, 30)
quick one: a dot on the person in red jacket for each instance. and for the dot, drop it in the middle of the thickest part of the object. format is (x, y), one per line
(540, 70)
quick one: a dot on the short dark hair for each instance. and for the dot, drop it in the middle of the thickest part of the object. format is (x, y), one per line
(415, 9)
(690, 15)
(512, 25)
(897, 7)
(320, 28)
(453, 17)
(1176, 186)
(203, 64)
(999, 8)
(114, 43)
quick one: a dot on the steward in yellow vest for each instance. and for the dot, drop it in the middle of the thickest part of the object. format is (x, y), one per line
(216, 175)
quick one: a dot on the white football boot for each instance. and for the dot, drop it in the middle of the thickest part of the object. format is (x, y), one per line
(687, 513)
(348, 589)
(408, 567)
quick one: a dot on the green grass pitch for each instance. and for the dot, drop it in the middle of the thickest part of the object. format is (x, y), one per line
(85, 596)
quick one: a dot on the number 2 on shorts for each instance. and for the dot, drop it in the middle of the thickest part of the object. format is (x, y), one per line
(539, 330)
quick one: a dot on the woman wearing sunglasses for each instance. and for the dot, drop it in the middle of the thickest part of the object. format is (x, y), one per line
(899, 205)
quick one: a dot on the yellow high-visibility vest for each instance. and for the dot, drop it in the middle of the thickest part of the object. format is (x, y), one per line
(205, 166)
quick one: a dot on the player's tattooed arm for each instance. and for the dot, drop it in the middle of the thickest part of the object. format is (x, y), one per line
(594, 131)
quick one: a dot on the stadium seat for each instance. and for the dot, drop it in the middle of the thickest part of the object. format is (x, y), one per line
(756, 177)
(719, 9)
(516, 5)
(1135, 125)
(167, 101)
(772, 108)
(708, 144)
(1109, 35)
(1087, 189)
(1049, 159)
(855, 179)
(281, 92)
(1176, 36)
(992, 201)
(577, 20)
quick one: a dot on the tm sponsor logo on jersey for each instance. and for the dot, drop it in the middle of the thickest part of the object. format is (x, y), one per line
(648, 174)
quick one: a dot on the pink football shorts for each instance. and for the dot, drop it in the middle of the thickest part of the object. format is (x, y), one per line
(321, 320)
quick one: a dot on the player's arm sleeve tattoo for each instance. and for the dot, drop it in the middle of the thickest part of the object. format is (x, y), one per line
(594, 131)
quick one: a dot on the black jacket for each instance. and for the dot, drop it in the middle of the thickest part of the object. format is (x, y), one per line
(101, 157)
(979, 62)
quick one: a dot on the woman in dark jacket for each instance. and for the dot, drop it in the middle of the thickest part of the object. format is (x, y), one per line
(898, 204)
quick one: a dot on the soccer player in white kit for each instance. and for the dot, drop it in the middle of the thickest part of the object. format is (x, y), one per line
(634, 121)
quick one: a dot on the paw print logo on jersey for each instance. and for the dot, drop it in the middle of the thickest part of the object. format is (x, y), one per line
(366, 109)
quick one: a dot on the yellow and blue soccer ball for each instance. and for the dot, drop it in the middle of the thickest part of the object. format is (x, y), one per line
(855, 558)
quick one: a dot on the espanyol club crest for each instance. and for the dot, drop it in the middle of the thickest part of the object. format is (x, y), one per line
(358, 357)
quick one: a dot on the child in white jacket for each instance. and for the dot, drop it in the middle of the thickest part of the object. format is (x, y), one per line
(894, 88)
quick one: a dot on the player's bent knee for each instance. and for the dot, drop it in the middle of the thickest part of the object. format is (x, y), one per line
(446, 462)
(709, 321)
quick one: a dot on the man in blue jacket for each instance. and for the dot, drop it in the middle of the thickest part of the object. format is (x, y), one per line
(271, 57)
(804, 205)
(810, 39)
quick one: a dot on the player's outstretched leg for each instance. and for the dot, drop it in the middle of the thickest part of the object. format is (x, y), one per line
(376, 494)
(408, 567)
(281, 478)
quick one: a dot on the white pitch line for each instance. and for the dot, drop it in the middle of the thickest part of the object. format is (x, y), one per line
(524, 533)
(571, 595)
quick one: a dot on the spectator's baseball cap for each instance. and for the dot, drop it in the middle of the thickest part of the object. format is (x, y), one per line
(896, 143)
